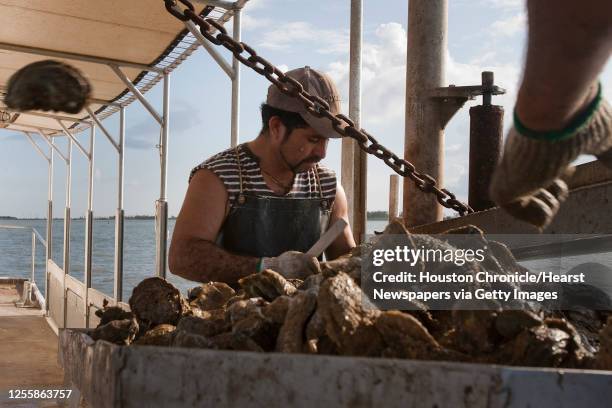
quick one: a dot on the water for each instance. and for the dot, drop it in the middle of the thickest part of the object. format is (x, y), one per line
(139, 252)
(139, 255)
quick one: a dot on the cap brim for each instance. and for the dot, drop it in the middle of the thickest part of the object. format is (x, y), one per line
(322, 125)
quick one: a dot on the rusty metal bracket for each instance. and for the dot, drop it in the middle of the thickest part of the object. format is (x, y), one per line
(451, 98)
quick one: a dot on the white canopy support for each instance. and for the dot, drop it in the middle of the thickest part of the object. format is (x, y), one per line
(53, 146)
(137, 93)
(37, 147)
(210, 48)
(76, 142)
(101, 126)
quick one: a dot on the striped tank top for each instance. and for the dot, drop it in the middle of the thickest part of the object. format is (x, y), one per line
(305, 185)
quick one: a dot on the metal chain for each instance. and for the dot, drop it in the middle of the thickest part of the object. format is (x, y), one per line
(314, 104)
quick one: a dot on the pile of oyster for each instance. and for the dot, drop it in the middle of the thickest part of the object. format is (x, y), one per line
(329, 314)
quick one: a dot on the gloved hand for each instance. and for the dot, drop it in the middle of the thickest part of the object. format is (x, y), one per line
(291, 264)
(540, 208)
(532, 166)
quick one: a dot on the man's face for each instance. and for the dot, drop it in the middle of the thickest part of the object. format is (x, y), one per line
(302, 149)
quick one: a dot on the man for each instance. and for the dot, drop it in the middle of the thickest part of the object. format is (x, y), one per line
(266, 202)
(560, 112)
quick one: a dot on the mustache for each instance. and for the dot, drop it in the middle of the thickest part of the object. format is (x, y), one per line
(313, 159)
(309, 159)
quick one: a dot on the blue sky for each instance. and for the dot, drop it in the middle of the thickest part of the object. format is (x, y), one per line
(483, 35)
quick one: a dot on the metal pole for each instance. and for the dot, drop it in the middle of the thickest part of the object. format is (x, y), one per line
(424, 137)
(354, 161)
(162, 204)
(119, 215)
(89, 223)
(33, 254)
(137, 94)
(210, 48)
(235, 84)
(48, 254)
(67, 216)
(393, 196)
(486, 136)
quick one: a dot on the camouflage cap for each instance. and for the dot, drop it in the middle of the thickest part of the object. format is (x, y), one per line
(315, 83)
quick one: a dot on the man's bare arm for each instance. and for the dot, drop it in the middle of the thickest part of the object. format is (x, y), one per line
(193, 252)
(345, 241)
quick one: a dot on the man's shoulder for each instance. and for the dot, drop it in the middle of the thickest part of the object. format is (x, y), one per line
(223, 159)
(325, 172)
(225, 156)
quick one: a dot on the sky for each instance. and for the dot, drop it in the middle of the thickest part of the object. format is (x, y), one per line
(482, 35)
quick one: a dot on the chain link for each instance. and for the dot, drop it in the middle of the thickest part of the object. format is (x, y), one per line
(313, 103)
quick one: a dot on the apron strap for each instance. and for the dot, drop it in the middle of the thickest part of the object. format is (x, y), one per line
(241, 197)
(316, 172)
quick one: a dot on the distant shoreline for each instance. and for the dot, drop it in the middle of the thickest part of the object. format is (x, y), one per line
(127, 217)
(371, 215)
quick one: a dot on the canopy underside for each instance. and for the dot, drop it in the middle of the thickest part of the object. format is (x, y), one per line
(138, 35)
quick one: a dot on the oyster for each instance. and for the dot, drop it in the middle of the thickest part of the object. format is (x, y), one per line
(405, 336)
(120, 332)
(206, 327)
(266, 284)
(349, 317)
(291, 335)
(48, 85)
(604, 357)
(158, 336)
(155, 301)
(110, 313)
(209, 296)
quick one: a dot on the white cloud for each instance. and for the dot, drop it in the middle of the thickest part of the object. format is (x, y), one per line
(384, 72)
(506, 4)
(383, 101)
(249, 22)
(287, 35)
(510, 26)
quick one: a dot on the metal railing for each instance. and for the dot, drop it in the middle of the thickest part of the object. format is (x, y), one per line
(31, 288)
(35, 235)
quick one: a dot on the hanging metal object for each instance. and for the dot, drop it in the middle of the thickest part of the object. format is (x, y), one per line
(48, 85)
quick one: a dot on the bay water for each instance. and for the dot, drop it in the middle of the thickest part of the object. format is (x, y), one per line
(139, 253)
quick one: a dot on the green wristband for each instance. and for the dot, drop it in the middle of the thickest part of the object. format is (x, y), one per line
(570, 130)
(259, 264)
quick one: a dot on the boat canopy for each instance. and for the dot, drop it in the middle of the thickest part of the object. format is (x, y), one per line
(137, 36)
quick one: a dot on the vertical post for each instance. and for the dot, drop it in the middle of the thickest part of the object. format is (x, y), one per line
(486, 135)
(162, 204)
(424, 135)
(354, 160)
(48, 254)
(33, 255)
(393, 196)
(89, 223)
(67, 216)
(235, 83)
(119, 214)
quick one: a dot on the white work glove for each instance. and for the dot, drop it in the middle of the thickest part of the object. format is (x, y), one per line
(529, 181)
(291, 264)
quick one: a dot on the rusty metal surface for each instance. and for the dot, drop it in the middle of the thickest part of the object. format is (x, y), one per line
(113, 376)
(486, 135)
(424, 132)
(586, 211)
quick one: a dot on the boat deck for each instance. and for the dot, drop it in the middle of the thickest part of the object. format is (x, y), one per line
(28, 350)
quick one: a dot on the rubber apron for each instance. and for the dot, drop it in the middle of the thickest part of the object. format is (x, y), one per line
(268, 226)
